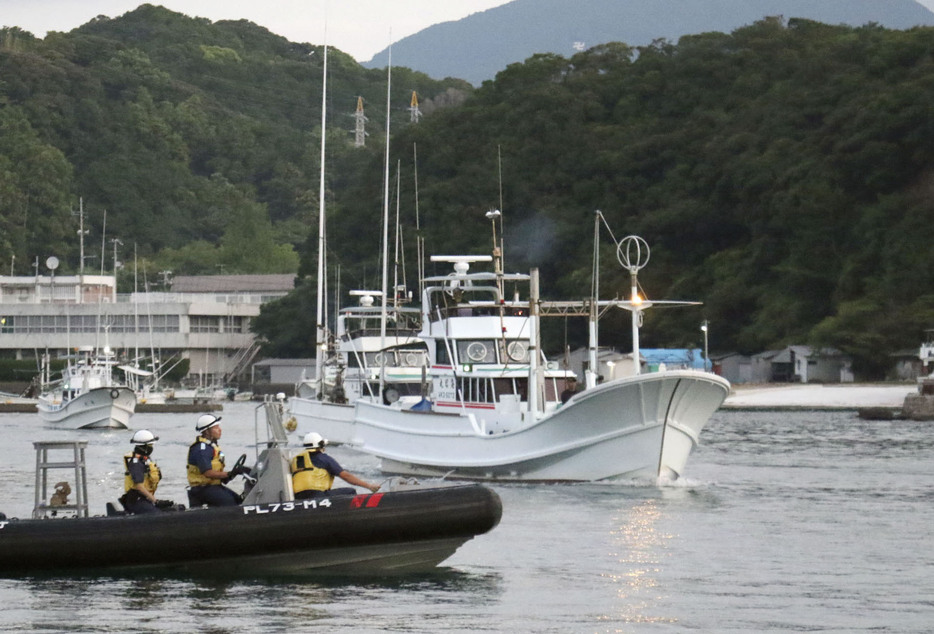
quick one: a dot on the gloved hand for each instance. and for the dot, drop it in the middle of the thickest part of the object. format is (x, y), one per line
(238, 470)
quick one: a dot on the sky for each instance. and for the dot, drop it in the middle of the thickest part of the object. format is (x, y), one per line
(360, 28)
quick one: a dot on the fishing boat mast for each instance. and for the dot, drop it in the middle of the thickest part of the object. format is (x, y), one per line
(321, 335)
(382, 320)
(632, 252)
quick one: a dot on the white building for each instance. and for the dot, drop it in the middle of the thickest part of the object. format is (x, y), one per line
(205, 319)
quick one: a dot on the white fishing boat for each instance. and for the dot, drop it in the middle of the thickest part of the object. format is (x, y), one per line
(143, 385)
(87, 396)
(374, 354)
(495, 412)
(362, 358)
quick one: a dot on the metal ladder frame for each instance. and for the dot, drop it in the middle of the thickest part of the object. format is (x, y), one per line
(42, 506)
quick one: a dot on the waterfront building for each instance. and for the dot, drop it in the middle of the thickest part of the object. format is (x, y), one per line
(205, 319)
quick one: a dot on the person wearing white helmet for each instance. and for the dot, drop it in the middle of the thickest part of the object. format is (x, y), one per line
(313, 472)
(141, 475)
(206, 470)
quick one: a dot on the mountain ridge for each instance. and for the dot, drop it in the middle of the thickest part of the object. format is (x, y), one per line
(478, 46)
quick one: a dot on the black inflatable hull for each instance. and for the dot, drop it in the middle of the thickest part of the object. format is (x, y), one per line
(402, 531)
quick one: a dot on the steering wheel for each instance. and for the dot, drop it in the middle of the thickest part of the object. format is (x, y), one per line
(238, 463)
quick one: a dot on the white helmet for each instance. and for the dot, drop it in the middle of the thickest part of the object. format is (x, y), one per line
(315, 440)
(143, 437)
(206, 421)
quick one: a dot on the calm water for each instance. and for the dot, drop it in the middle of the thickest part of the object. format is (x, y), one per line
(787, 522)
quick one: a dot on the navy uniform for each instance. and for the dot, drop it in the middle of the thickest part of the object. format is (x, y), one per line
(313, 472)
(141, 475)
(313, 475)
(206, 474)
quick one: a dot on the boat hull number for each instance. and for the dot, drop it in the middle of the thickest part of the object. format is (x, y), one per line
(285, 506)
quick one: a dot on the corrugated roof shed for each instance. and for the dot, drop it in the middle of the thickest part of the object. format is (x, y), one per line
(281, 283)
(301, 363)
(692, 358)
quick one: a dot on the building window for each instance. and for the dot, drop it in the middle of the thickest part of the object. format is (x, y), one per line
(205, 324)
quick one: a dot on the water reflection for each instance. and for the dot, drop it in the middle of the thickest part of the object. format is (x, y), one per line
(108, 603)
(642, 549)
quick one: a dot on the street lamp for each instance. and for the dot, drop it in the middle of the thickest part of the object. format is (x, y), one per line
(706, 356)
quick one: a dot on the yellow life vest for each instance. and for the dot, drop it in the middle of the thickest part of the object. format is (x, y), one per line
(307, 477)
(195, 477)
(151, 479)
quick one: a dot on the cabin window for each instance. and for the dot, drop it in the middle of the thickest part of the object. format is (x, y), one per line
(504, 386)
(477, 390)
(514, 351)
(413, 358)
(442, 354)
(476, 352)
(551, 390)
(564, 384)
(408, 389)
(375, 359)
(518, 386)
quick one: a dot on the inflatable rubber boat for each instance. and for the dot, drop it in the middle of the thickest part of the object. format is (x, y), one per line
(408, 527)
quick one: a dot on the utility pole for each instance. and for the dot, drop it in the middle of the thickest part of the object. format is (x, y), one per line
(415, 113)
(81, 233)
(360, 129)
(116, 242)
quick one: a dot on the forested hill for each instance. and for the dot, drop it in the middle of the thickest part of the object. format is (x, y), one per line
(782, 173)
(200, 140)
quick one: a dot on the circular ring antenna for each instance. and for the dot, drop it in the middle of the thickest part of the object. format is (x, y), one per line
(632, 253)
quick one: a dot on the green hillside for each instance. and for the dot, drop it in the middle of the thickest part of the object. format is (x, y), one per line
(782, 174)
(201, 141)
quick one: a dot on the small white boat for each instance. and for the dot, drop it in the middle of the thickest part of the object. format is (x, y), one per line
(362, 360)
(141, 382)
(197, 394)
(362, 356)
(88, 396)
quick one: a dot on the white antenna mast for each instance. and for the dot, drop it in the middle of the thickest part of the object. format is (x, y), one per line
(633, 253)
(419, 239)
(396, 245)
(382, 320)
(319, 318)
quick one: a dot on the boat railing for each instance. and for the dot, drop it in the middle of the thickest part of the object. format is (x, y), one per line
(396, 333)
(272, 479)
(47, 505)
(273, 418)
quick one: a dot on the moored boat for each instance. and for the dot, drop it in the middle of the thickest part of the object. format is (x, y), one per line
(87, 396)
(365, 365)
